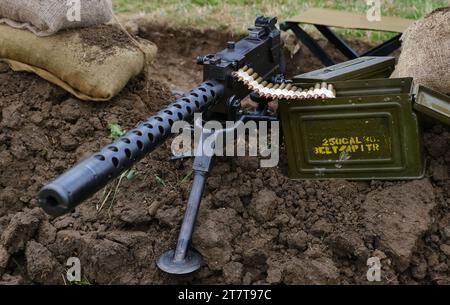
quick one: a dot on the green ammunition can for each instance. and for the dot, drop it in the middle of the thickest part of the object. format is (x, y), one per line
(369, 131)
(367, 67)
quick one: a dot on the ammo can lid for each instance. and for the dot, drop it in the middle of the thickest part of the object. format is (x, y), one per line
(433, 104)
(367, 67)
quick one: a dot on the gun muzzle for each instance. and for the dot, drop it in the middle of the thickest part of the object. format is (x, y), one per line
(87, 177)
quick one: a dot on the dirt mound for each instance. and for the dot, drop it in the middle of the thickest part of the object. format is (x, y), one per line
(105, 37)
(255, 225)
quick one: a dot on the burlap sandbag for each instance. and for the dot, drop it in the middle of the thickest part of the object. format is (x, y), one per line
(46, 17)
(92, 63)
(426, 51)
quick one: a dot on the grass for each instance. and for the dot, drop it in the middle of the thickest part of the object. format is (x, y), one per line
(111, 190)
(237, 15)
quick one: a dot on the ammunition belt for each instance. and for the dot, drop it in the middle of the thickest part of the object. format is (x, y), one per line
(283, 91)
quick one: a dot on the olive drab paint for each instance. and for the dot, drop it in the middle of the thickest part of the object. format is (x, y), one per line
(369, 131)
(367, 67)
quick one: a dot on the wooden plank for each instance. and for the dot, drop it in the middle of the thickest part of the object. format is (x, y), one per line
(351, 20)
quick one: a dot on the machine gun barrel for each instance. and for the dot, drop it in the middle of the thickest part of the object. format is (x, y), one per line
(70, 189)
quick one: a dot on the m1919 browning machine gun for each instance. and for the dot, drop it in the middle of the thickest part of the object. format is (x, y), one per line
(259, 54)
(348, 125)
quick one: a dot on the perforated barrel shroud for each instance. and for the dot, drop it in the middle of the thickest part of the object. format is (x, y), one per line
(63, 194)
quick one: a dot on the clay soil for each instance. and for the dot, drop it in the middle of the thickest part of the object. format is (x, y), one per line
(255, 225)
